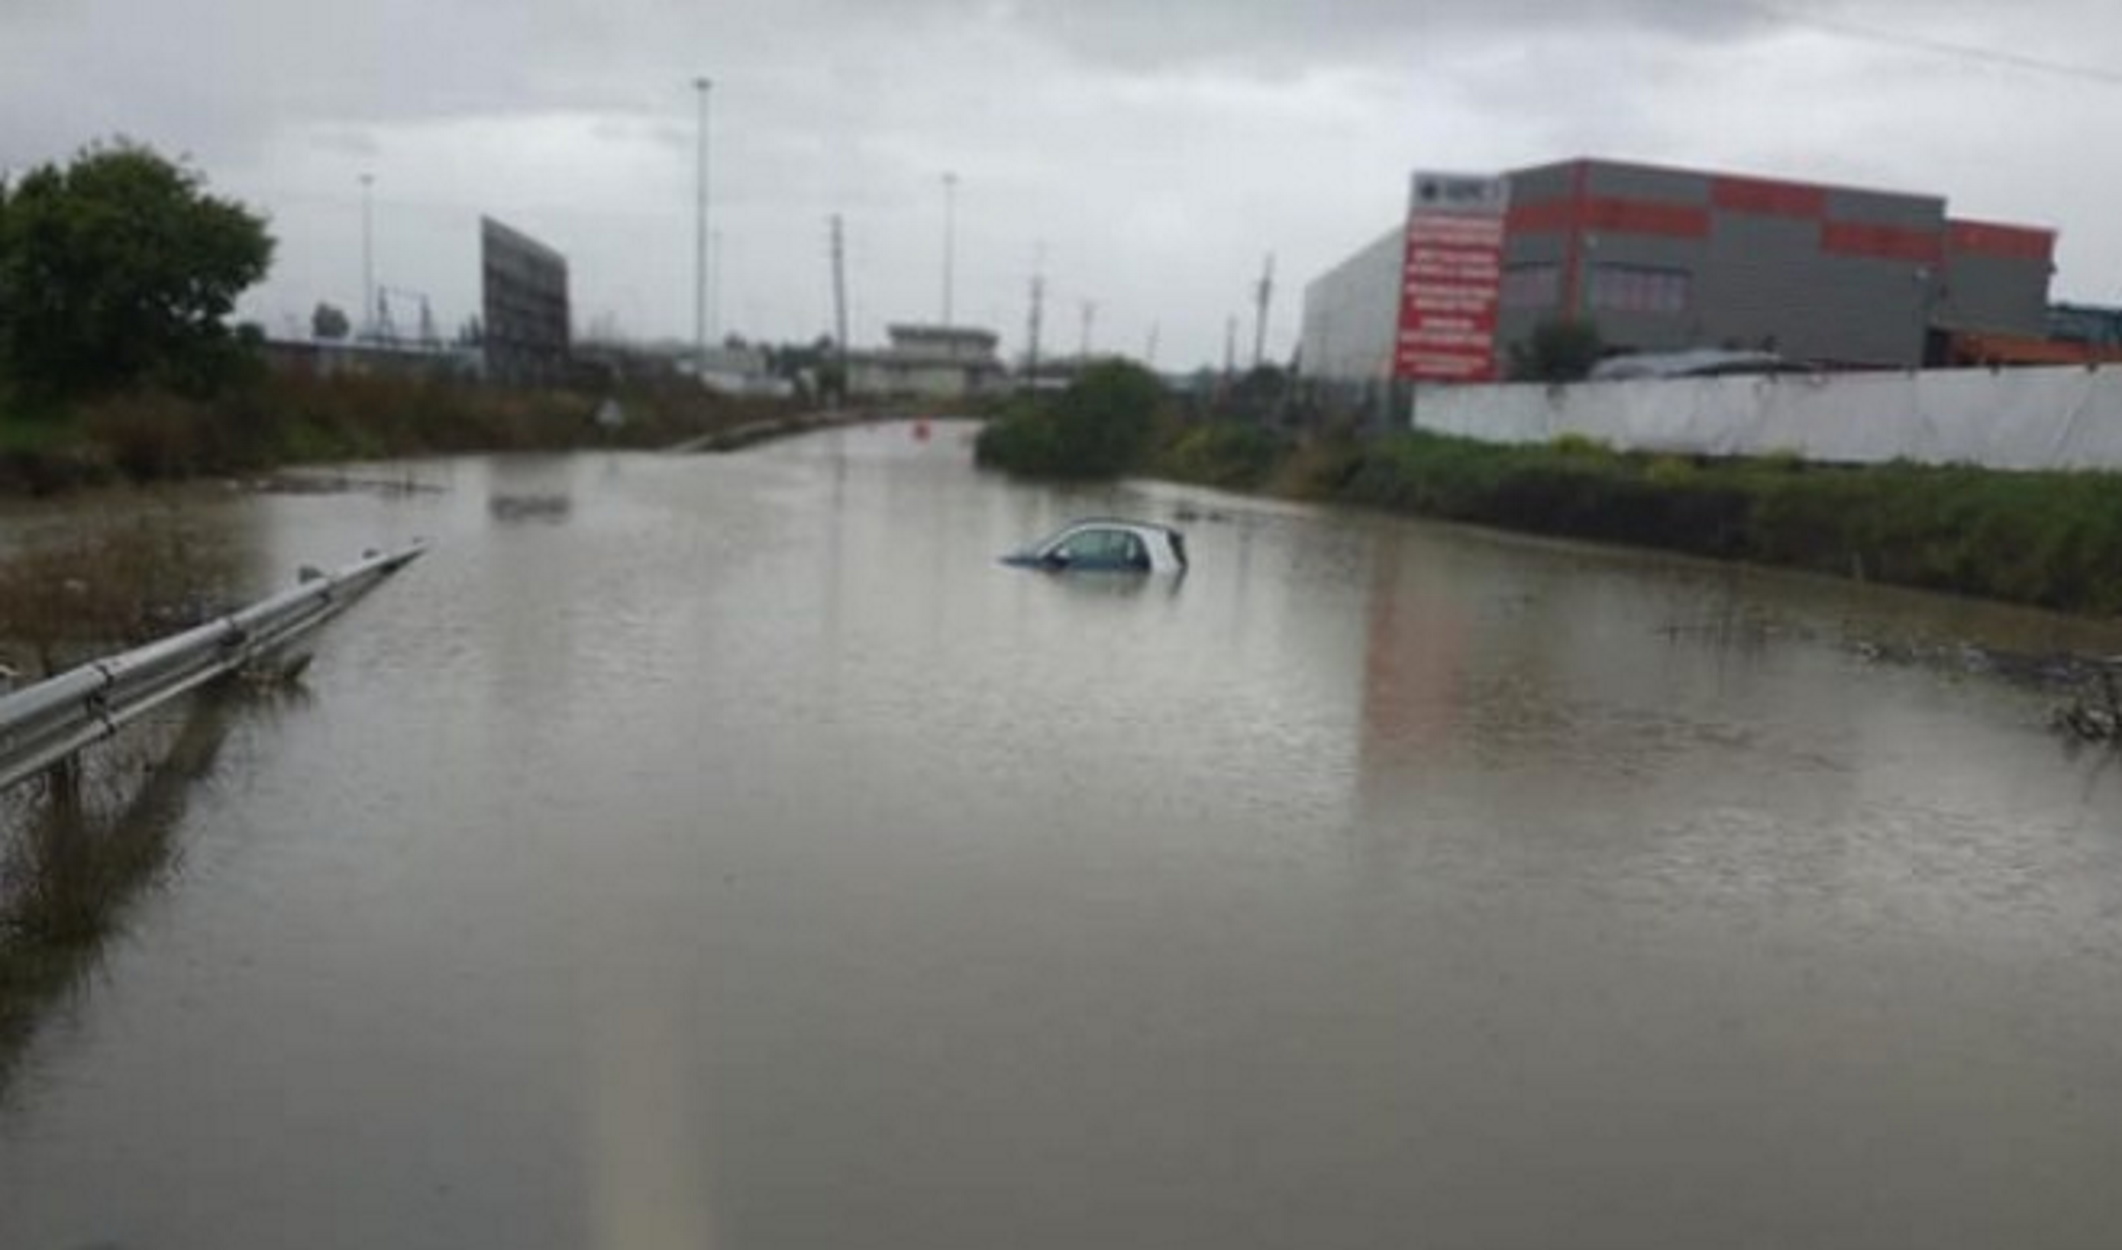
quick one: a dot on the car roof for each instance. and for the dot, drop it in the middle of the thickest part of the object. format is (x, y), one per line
(1117, 521)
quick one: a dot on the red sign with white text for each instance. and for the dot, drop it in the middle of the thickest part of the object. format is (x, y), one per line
(1451, 280)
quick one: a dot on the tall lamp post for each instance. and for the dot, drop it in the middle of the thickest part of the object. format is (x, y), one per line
(700, 85)
(365, 328)
(715, 324)
(950, 240)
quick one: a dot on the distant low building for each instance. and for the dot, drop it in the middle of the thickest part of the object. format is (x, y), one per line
(928, 362)
(2094, 325)
(742, 369)
(326, 358)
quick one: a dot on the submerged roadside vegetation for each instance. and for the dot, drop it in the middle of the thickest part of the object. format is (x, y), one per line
(119, 272)
(267, 421)
(2049, 539)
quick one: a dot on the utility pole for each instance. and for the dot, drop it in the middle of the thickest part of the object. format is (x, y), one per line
(1031, 337)
(950, 240)
(840, 301)
(1262, 294)
(1149, 349)
(700, 85)
(1230, 348)
(366, 327)
(715, 325)
(1090, 314)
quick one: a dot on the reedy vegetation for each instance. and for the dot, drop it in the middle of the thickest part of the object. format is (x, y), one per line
(2052, 539)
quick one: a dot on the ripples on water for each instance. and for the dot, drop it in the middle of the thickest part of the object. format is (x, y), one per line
(724, 850)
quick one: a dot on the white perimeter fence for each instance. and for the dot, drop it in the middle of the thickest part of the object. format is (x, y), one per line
(2067, 417)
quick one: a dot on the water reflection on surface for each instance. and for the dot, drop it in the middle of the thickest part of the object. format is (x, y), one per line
(739, 856)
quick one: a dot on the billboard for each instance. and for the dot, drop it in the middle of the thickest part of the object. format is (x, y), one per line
(523, 292)
(1451, 279)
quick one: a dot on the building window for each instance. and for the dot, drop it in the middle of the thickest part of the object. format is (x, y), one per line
(1532, 286)
(1639, 289)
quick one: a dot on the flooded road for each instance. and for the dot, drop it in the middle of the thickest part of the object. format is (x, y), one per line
(725, 851)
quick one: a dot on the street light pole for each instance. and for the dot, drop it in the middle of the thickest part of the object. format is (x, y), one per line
(950, 240)
(715, 323)
(366, 326)
(700, 85)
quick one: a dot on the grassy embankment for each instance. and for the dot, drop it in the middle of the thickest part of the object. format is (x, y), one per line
(2051, 539)
(78, 847)
(280, 420)
(77, 861)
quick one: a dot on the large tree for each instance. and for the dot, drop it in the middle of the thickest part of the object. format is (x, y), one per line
(119, 268)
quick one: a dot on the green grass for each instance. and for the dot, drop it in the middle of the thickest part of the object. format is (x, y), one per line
(22, 435)
(2051, 538)
(1233, 455)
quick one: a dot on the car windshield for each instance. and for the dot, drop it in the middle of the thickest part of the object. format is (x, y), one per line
(1052, 624)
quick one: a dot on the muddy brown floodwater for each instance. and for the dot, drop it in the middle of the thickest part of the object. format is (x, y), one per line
(727, 852)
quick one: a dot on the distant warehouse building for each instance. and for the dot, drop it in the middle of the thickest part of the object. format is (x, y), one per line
(928, 362)
(1669, 259)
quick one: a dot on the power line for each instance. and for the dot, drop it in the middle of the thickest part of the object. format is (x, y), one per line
(1905, 41)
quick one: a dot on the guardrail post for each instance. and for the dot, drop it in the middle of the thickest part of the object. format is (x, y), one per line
(62, 782)
(42, 726)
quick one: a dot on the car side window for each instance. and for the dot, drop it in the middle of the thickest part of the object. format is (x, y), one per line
(1089, 547)
(1104, 549)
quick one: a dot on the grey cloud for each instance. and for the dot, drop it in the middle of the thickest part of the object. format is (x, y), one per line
(1274, 36)
(1156, 146)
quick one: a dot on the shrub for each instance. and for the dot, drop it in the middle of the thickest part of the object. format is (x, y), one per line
(1101, 426)
(1221, 453)
(2053, 539)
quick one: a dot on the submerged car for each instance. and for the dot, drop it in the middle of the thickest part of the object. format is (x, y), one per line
(1106, 545)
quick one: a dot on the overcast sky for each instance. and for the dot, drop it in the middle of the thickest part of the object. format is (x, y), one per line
(1152, 152)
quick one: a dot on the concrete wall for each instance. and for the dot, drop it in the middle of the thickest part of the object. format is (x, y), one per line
(1351, 315)
(1760, 269)
(1755, 278)
(1541, 183)
(2049, 418)
(1621, 180)
(1993, 293)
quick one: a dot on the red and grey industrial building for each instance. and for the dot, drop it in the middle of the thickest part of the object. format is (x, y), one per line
(1666, 259)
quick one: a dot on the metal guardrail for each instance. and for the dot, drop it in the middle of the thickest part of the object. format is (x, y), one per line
(43, 724)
